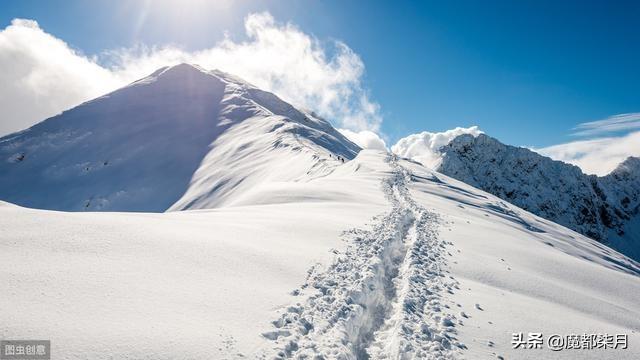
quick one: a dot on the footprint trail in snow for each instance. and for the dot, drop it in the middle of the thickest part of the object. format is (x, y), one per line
(383, 298)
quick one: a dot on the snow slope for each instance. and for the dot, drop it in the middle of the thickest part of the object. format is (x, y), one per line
(138, 148)
(604, 208)
(372, 258)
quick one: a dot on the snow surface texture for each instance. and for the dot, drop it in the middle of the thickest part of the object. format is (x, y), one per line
(400, 262)
(137, 149)
(383, 297)
(604, 208)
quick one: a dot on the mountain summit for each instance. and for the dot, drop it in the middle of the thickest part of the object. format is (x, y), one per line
(173, 139)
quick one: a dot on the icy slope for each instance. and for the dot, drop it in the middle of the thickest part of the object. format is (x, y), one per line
(603, 208)
(137, 149)
(378, 257)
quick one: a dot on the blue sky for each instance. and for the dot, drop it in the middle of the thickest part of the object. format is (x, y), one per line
(526, 72)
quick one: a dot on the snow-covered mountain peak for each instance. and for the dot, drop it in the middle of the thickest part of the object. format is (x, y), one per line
(190, 77)
(467, 139)
(629, 168)
(486, 145)
(179, 75)
(179, 71)
(138, 148)
(603, 208)
(193, 72)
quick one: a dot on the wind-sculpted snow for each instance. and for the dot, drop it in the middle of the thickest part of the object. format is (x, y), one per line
(604, 208)
(383, 297)
(273, 142)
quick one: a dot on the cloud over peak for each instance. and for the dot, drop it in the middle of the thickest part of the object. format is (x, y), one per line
(596, 156)
(610, 141)
(366, 139)
(614, 123)
(42, 75)
(424, 146)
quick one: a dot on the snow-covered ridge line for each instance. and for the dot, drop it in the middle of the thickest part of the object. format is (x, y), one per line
(382, 297)
(604, 208)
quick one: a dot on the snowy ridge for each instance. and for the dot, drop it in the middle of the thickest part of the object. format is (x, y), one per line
(382, 297)
(138, 148)
(603, 208)
(273, 142)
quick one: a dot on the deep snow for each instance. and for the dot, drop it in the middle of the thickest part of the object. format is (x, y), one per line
(289, 274)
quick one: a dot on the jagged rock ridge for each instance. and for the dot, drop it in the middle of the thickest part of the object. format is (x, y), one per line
(603, 208)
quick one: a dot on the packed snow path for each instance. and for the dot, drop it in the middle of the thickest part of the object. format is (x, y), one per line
(383, 297)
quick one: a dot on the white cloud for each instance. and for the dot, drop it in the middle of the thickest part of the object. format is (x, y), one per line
(596, 156)
(42, 75)
(365, 139)
(423, 147)
(620, 122)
